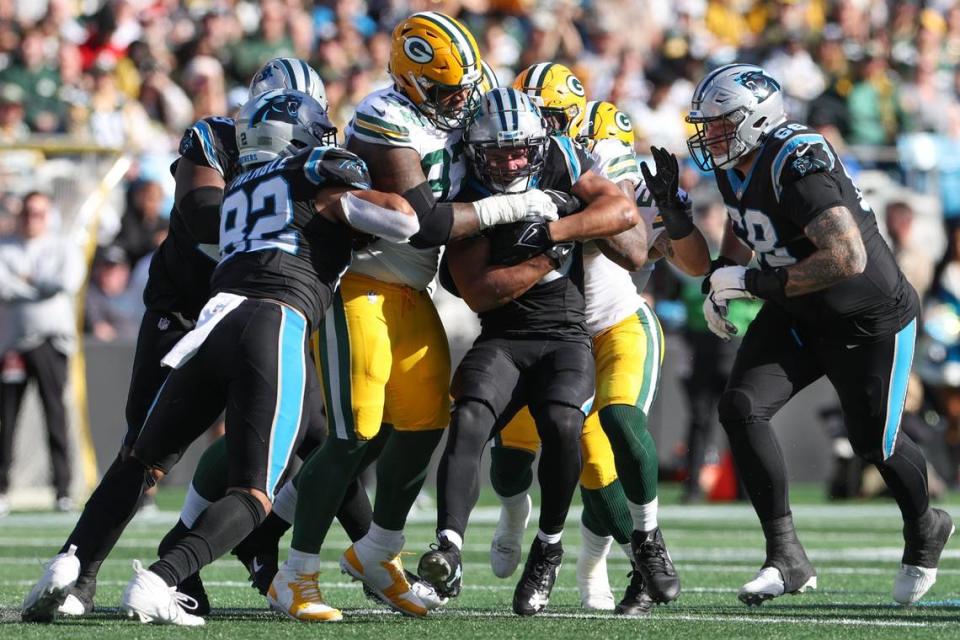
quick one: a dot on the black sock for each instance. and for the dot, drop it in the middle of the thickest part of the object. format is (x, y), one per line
(218, 529)
(458, 478)
(172, 538)
(905, 473)
(106, 514)
(511, 470)
(265, 538)
(559, 427)
(761, 467)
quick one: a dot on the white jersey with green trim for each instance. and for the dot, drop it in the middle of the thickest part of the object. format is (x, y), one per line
(612, 294)
(387, 117)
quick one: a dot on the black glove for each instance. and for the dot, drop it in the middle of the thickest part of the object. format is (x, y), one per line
(567, 203)
(518, 241)
(674, 205)
(558, 253)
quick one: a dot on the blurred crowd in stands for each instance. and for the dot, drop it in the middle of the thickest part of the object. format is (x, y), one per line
(879, 78)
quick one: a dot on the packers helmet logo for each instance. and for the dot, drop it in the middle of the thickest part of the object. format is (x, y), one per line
(418, 49)
(623, 121)
(574, 84)
(759, 84)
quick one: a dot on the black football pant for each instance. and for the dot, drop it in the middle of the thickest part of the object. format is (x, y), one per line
(496, 378)
(775, 362)
(48, 367)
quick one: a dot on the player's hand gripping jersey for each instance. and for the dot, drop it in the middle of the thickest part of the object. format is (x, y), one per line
(554, 306)
(272, 243)
(182, 265)
(796, 176)
(389, 118)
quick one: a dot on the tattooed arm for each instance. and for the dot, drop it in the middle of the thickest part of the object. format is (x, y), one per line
(840, 253)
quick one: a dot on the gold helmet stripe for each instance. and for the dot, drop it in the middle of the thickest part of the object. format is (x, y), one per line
(460, 39)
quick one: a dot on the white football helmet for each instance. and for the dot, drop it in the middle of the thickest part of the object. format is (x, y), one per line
(281, 123)
(289, 73)
(507, 119)
(741, 100)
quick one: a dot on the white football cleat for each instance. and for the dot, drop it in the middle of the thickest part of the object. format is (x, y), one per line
(767, 585)
(912, 582)
(148, 598)
(425, 591)
(593, 583)
(59, 575)
(297, 595)
(506, 547)
(72, 607)
(383, 575)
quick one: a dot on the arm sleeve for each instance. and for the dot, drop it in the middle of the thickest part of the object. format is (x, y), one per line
(200, 212)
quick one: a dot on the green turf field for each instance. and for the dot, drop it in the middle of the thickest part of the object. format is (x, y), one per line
(855, 546)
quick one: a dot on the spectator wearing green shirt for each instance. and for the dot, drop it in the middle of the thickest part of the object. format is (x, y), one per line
(40, 83)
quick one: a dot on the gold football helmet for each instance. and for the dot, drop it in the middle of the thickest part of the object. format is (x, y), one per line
(558, 93)
(435, 62)
(602, 121)
(489, 80)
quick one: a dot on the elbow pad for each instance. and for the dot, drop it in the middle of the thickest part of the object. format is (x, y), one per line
(368, 217)
(436, 218)
(200, 212)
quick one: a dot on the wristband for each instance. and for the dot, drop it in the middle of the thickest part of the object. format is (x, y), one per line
(767, 284)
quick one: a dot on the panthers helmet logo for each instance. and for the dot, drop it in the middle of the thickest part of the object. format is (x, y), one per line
(418, 49)
(760, 84)
(283, 108)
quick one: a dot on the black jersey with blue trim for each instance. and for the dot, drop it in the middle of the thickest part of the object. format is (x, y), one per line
(181, 266)
(796, 177)
(554, 307)
(272, 242)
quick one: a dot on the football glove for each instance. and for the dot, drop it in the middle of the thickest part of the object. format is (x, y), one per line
(511, 207)
(716, 316)
(511, 244)
(728, 283)
(674, 205)
(567, 203)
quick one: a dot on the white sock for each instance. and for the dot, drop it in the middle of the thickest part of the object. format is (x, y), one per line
(627, 550)
(387, 539)
(285, 503)
(644, 515)
(549, 538)
(514, 507)
(455, 538)
(193, 505)
(302, 562)
(594, 548)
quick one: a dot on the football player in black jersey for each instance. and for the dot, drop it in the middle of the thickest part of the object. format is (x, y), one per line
(534, 348)
(177, 288)
(286, 233)
(836, 305)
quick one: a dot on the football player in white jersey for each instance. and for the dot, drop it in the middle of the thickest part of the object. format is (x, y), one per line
(383, 351)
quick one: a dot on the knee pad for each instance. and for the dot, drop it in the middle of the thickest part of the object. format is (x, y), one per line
(869, 451)
(735, 407)
(563, 420)
(623, 423)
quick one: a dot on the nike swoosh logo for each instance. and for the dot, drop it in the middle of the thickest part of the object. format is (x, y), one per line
(257, 565)
(529, 234)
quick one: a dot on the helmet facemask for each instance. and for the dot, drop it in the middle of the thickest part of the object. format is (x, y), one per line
(507, 142)
(718, 150)
(441, 103)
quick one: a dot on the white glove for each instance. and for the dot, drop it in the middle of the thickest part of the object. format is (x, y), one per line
(716, 317)
(727, 283)
(514, 207)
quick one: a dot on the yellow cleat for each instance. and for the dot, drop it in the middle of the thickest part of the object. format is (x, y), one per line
(384, 577)
(297, 595)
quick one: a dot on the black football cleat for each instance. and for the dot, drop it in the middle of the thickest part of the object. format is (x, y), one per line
(442, 568)
(636, 601)
(192, 586)
(652, 561)
(532, 594)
